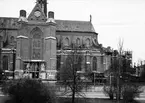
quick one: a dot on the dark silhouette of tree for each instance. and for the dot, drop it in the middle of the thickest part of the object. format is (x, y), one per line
(110, 87)
(142, 76)
(69, 73)
(28, 91)
(119, 79)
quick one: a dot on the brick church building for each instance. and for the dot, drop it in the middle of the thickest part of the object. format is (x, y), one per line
(37, 44)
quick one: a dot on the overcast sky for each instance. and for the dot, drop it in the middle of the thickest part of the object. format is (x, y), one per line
(112, 19)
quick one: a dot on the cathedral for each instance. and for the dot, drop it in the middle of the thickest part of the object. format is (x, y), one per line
(37, 44)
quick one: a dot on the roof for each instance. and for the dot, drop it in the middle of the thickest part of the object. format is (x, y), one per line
(68, 25)
(62, 25)
(9, 23)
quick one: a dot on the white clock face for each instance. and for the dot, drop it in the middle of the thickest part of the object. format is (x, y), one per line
(37, 13)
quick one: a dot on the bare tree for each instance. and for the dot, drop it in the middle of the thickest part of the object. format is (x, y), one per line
(120, 50)
(120, 76)
(68, 73)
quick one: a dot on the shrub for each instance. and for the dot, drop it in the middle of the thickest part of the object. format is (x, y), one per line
(109, 91)
(129, 92)
(28, 91)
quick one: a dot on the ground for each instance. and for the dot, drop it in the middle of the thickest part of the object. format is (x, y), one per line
(3, 99)
(94, 96)
(94, 100)
(82, 100)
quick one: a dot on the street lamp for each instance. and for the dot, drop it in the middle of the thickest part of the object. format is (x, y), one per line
(0, 52)
(94, 72)
(14, 56)
(87, 61)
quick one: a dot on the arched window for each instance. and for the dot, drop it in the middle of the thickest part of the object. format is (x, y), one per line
(12, 39)
(78, 41)
(5, 62)
(56, 40)
(58, 62)
(58, 43)
(0, 41)
(94, 64)
(1, 38)
(36, 43)
(66, 41)
(87, 42)
(79, 62)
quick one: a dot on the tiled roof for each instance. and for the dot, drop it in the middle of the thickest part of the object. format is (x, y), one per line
(68, 25)
(10, 23)
(62, 25)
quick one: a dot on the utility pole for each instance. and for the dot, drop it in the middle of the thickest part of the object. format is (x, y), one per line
(14, 56)
(0, 52)
(118, 77)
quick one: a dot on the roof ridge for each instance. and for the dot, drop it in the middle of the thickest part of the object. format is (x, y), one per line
(72, 20)
(8, 17)
(74, 25)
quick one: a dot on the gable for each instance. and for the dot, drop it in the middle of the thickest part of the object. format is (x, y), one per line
(37, 14)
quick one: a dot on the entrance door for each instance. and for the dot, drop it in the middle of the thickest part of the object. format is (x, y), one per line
(34, 69)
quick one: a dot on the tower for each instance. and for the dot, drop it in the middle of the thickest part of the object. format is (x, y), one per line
(43, 4)
(50, 46)
(36, 43)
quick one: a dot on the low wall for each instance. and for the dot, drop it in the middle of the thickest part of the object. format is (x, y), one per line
(87, 89)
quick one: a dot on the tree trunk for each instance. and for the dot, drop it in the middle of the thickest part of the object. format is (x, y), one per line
(73, 96)
(74, 86)
(0, 52)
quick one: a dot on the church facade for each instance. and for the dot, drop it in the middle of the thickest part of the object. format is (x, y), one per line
(37, 45)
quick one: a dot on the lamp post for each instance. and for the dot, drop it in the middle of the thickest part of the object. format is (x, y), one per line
(14, 55)
(0, 52)
(94, 72)
(87, 61)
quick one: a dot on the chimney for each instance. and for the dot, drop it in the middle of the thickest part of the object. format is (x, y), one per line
(22, 13)
(22, 16)
(50, 17)
(51, 14)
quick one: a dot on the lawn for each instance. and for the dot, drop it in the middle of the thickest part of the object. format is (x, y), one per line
(81, 100)
(3, 99)
(93, 100)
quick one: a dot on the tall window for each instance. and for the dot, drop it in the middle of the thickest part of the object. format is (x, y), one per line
(36, 43)
(5, 62)
(12, 39)
(66, 41)
(57, 43)
(94, 64)
(87, 42)
(58, 62)
(1, 42)
(78, 41)
(79, 64)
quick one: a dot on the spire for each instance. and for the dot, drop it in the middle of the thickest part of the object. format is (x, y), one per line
(43, 4)
(90, 18)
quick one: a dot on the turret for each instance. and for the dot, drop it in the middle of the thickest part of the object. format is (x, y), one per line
(22, 17)
(50, 43)
(50, 17)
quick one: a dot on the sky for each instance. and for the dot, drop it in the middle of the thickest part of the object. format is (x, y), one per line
(112, 19)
